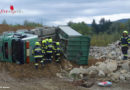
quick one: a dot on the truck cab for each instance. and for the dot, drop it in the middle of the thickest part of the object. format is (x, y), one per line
(17, 47)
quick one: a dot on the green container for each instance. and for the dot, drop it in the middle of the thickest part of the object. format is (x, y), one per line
(75, 46)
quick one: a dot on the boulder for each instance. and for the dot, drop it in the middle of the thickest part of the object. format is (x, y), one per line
(102, 67)
(77, 71)
(98, 63)
(127, 75)
(111, 66)
(115, 77)
(126, 66)
(59, 75)
(112, 54)
(122, 77)
(123, 71)
(92, 71)
(108, 66)
(101, 73)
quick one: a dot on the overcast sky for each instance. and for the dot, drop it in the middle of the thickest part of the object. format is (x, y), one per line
(59, 12)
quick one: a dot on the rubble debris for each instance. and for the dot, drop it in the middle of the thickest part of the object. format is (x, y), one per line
(112, 51)
(109, 69)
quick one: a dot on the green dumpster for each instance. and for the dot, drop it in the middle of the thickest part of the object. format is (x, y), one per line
(74, 45)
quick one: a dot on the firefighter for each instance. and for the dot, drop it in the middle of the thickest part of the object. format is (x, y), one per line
(47, 42)
(43, 51)
(49, 50)
(37, 52)
(57, 52)
(125, 42)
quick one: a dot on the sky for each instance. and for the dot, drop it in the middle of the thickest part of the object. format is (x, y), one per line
(60, 12)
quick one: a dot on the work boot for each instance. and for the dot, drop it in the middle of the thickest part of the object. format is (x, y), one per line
(125, 58)
(36, 67)
(42, 65)
(57, 61)
(50, 60)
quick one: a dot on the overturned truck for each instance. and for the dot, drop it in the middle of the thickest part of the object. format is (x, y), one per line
(17, 47)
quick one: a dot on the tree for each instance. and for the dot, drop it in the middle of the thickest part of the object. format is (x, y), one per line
(102, 21)
(82, 27)
(127, 25)
(115, 27)
(33, 24)
(25, 23)
(95, 27)
(4, 22)
(104, 25)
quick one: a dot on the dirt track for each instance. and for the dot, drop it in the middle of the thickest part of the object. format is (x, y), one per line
(25, 77)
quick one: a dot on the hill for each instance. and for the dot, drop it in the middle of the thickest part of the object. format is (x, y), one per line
(123, 20)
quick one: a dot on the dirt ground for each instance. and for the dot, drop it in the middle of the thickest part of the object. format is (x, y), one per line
(25, 77)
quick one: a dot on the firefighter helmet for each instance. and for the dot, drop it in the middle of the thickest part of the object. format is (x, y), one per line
(50, 40)
(57, 43)
(37, 43)
(47, 40)
(43, 41)
(125, 32)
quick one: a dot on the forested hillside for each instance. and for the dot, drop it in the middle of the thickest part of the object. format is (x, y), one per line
(103, 33)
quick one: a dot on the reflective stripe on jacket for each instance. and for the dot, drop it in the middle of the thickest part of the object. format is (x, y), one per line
(37, 51)
(125, 41)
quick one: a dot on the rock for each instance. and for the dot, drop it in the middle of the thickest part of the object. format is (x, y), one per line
(108, 66)
(59, 75)
(112, 66)
(102, 67)
(68, 66)
(101, 73)
(126, 66)
(81, 76)
(122, 77)
(109, 75)
(115, 77)
(91, 69)
(127, 75)
(112, 54)
(123, 71)
(93, 73)
(98, 63)
(77, 71)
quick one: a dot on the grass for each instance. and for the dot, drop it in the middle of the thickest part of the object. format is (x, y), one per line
(103, 39)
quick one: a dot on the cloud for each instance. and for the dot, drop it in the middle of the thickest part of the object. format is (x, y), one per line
(89, 20)
(7, 1)
(57, 11)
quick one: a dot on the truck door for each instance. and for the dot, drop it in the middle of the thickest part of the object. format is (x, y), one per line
(18, 51)
(6, 50)
(1, 52)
